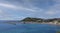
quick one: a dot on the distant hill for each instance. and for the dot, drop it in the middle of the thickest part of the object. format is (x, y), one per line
(29, 19)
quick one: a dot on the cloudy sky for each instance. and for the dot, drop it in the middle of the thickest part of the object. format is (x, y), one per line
(19, 9)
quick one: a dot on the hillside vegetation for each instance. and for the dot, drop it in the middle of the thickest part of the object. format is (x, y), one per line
(29, 19)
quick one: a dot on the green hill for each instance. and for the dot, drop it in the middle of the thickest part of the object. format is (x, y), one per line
(29, 19)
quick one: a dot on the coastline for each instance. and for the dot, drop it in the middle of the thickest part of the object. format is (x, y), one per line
(38, 23)
(14, 23)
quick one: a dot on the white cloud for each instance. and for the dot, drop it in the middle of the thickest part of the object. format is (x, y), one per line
(1, 11)
(24, 8)
(50, 13)
(7, 5)
(55, 9)
(16, 7)
(26, 5)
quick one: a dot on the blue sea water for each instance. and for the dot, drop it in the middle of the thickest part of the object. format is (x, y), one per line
(28, 28)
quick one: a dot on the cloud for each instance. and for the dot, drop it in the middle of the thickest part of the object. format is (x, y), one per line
(25, 5)
(6, 16)
(7, 5)
(57, 1)
(36, 6)
(16, 7)
(55, 9)
(50, 12)
(1, 11)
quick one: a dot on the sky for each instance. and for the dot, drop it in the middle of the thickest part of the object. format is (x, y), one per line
(20, 9)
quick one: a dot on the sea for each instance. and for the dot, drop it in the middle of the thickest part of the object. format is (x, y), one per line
(28, 28)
